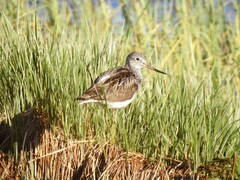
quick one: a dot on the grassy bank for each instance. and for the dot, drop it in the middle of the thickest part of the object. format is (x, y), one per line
(194, 113)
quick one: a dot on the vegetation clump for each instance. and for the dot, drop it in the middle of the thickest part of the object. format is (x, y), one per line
(185, 125)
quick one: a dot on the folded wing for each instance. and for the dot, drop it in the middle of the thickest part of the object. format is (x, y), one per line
(116, 85)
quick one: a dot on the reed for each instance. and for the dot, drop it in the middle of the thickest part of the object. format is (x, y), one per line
(47, 61)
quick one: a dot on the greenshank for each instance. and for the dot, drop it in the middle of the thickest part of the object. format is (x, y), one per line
(118, 87)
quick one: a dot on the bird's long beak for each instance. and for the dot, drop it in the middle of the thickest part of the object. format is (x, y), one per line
(154, 69)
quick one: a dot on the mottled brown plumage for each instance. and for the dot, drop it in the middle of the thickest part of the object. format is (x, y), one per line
(118, 87)
(122, 85)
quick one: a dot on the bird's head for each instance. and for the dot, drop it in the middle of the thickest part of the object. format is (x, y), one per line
(137, 61)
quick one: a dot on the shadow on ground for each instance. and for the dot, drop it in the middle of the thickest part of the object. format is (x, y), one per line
(22, 132)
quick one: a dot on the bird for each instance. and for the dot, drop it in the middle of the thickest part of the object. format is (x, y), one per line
(118, 87)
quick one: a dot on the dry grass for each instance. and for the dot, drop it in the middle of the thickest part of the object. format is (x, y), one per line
(191, 117)
(50, 155)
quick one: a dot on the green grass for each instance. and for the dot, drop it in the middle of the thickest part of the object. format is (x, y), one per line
(46, 64)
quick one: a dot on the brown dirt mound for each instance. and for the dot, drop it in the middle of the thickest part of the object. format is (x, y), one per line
(47, 155)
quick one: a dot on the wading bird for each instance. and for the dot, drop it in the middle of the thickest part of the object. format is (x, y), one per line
(118, 87)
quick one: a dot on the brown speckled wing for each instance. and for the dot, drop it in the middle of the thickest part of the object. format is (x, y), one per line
(117, 85)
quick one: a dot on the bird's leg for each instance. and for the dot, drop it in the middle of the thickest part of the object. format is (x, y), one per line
(114, 125)
(89, 126)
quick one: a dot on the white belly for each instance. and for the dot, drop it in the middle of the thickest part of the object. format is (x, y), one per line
(116, 105)
(112, 105)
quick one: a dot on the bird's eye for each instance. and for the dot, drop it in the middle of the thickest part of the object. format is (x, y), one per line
(137, 59)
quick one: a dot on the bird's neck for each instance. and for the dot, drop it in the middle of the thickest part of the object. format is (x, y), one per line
(137, 72)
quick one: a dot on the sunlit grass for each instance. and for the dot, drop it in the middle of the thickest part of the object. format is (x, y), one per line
(47, 63)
